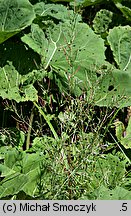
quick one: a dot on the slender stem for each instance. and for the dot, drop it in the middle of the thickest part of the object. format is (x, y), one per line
(29, 129)
(47, 120)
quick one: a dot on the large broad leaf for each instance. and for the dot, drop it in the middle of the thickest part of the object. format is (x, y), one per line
(103, 193)
(36, 40)
(114, 89)
(76, 47)
(15, 16)
(12, 184)
(120, 42)
(119, 193)
(115, 85)
(11, 87)
(55, 11)
(76, 56)
(73, 51)
(23, 173)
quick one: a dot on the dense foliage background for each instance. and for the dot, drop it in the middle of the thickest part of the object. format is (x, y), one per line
(65, 99)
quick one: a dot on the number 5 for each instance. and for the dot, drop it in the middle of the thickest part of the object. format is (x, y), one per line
(124, 206)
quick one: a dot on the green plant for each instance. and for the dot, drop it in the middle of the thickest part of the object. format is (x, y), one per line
(123, 135)
(63, 82)
(15, 16)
